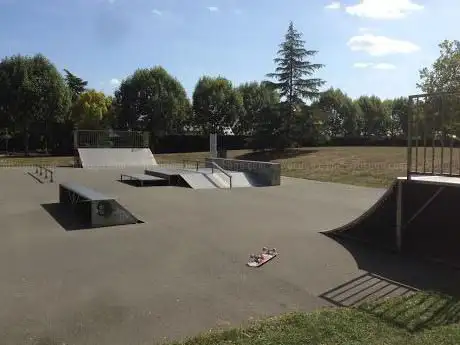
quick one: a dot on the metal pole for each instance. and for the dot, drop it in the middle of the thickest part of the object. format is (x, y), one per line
(399, 216)
(409, 138)
(424, 142)
(416, 144)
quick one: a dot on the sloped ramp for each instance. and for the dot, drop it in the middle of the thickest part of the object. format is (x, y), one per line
(93, 209)
(199, 181)
(116, 157)
(429, 222)
(111, 213)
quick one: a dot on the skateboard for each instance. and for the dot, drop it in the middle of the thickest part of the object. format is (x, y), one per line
(262, 258)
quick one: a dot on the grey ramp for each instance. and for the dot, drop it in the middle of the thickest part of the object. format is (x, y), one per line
(94, 209)
(116, 157)
(199, 181)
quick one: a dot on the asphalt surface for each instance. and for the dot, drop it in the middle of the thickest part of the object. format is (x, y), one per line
(183, 271)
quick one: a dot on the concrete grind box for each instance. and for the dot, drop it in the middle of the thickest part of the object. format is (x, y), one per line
(266, 173)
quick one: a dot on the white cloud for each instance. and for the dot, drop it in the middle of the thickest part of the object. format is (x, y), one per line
(157, 12)
(213, 9)
(364, 29)
(335, 5)
(381, 65)
(362, 64)
(383, 9)
(384, 65)
(115, 82)
(381, 45)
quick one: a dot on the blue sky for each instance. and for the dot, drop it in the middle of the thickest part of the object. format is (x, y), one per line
(368, 47)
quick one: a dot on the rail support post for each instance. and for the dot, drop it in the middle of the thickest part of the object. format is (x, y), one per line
(399, 215)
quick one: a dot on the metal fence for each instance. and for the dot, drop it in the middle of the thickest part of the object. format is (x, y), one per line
(433, 133)
(110, 139)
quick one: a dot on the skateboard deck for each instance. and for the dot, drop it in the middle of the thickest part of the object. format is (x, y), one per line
(257, 260)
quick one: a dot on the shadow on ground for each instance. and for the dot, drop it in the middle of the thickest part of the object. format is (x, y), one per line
(420, 274)
(135, 183)
(417, 312)
(65, 217)
(273, 155)
(400, 278)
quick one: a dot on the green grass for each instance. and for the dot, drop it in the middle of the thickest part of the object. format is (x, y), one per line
(421, 319)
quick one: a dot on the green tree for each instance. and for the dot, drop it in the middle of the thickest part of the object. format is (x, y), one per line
(343, 116)
(444, 74)
(76, 85)
(375, 119)
(33, 94)
(400, 108)
(152, 100)
(216, 105)
(91, 110)
(257, 98)
(292, 77)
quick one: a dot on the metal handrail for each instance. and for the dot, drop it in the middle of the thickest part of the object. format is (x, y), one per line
(218, 167)
(39, 171)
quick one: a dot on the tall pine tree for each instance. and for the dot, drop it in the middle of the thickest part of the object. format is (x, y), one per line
(292, 78)
(76, 85)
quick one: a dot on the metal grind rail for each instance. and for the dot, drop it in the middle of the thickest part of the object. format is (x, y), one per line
(44, 171)
(214, 166)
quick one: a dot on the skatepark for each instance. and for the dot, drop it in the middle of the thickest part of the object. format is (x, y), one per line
(177, 265)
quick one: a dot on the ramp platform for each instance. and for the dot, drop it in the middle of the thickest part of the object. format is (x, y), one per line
(116, 157)
(142, 179)
(92, 208)
(417, 217)
(203, 178)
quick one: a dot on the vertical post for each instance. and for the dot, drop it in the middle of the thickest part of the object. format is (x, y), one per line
(75, 138)
(416, 144)
(424, 143)
(51, 179)
(443, 132)
(409, 138)
(399, 216)
(213, 145)
(197, 165)
(146, 139)
(46, 173)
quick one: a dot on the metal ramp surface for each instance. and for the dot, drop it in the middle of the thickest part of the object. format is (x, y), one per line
(116, 157)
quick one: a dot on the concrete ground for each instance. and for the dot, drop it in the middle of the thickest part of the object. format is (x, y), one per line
(183, 271)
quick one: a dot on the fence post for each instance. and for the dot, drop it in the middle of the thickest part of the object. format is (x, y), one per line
(36, 169)
(46, 173)
(41, 171)
(197, 163)
(51, 179)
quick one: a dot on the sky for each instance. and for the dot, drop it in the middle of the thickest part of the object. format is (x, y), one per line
(367, 47)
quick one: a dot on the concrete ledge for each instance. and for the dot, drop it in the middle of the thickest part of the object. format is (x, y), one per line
(266, 173)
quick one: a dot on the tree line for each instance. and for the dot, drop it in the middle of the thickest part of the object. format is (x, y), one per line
(288, 109)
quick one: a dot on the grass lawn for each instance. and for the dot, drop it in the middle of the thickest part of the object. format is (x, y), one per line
(420, 319)
(367, 166)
